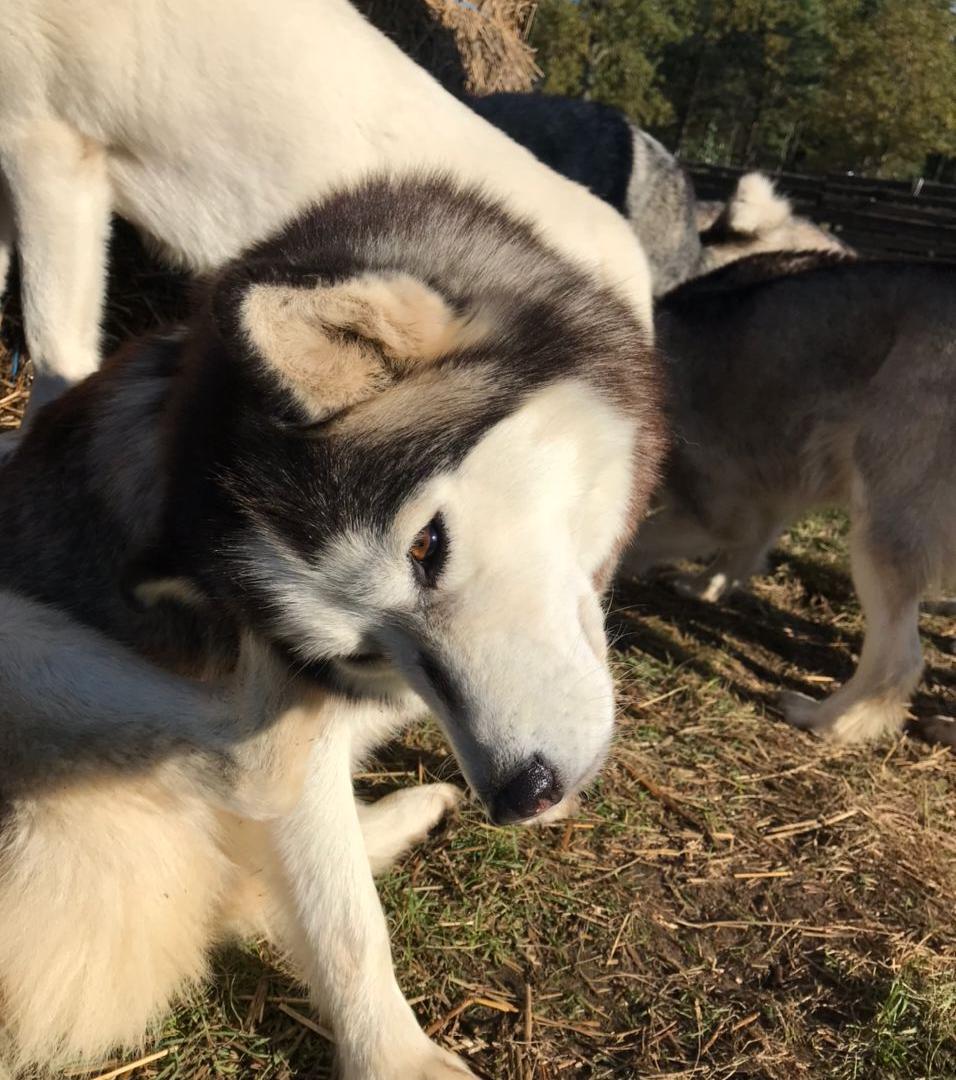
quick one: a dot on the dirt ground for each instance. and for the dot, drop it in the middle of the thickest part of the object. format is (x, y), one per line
(734, 899)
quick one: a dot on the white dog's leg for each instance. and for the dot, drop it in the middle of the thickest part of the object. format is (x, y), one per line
(392, 824)
(874, 700)
(60, 194)
(342, 944)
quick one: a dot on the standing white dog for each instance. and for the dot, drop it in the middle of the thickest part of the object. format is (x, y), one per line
(208, 125)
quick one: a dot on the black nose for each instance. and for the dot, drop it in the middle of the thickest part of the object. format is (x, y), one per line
(531, 791)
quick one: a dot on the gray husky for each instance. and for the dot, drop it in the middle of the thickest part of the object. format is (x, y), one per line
(391, 460)
(599, 147)
(806, 380)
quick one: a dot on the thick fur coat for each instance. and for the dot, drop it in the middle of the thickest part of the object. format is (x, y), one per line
(391, 461)
(209, 131)
(809, 380)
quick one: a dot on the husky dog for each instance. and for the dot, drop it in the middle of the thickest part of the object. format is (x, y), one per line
(209, 129)
(597, 146)
(392, 459)
(756, 219)
(805, 380)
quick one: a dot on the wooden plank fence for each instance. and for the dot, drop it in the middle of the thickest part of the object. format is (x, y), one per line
(877, 217)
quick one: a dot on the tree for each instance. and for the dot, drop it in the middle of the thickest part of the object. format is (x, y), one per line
(890, 96)
(868, 85)
(742, 81)
(608, 50)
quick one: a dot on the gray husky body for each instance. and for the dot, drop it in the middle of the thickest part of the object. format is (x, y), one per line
(808, 380)
(393, 457)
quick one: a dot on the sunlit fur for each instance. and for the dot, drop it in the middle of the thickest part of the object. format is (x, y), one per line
(805, 381)
(209, 616)
(209, 132)
(756, 219)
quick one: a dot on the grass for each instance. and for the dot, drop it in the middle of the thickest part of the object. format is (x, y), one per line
(735, 899)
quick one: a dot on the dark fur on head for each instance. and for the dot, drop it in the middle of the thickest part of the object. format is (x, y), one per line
(586, 141)
(234, 447)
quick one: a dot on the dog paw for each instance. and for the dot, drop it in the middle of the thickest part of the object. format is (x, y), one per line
(936, 730)
(442, 1065)
(706, 587)
(429, 1063)
(403, 818)
(841, 719)
(428, 804)
(803, 712)
(448, 796)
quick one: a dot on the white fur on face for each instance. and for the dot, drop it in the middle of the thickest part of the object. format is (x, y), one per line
(514, 622)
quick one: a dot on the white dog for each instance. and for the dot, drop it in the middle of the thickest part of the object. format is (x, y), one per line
(208, 125)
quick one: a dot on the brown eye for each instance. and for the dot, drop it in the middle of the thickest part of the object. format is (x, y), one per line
(424, 544)
(427, 551)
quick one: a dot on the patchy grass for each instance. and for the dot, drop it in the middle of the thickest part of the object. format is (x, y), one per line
(735, 899)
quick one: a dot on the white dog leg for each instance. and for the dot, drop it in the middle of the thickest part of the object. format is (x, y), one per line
(342, 944)
(874, 701)
(60, 193)
(392, 824)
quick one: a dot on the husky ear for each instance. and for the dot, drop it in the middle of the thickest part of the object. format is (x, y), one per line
(154, 576)
(336, 345)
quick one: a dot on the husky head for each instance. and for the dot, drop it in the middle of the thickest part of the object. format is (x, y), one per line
(425, 438)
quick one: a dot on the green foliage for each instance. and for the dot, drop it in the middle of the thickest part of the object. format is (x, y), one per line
(890, 97)
(868, 85)
(609, 50)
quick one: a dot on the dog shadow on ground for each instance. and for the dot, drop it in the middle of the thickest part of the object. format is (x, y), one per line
(759, 647)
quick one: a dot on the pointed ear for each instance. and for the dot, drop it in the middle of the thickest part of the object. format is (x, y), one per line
(334, 345)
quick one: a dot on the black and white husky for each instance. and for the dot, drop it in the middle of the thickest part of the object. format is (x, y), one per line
(391, 460)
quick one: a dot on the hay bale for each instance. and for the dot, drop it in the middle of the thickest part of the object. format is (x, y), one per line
(473, 46)
(492, 39)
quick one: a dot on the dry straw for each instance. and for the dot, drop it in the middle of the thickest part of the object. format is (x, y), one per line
(475, 45)
(491, 38)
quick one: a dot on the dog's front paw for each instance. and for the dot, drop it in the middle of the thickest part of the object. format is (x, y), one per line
(391, 825)
(443, 799)
(441, 1065)
(427, 1061)
(843, 718)
(936, 730)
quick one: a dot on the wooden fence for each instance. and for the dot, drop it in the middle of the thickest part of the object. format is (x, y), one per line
(877, 217)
